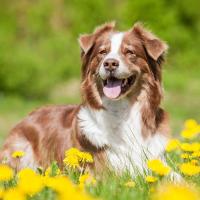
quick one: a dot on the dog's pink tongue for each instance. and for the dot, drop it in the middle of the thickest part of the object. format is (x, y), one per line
(112, 89)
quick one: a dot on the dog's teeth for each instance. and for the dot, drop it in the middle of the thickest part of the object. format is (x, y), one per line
(125, 81)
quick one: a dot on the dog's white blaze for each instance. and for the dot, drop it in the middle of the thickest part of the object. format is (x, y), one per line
(116, 42)
(119, 128)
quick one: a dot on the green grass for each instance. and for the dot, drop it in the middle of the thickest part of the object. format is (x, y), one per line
(181, 96)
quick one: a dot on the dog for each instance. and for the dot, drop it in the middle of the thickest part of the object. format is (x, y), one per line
(120, 121)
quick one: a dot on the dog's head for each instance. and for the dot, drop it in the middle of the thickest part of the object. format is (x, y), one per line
(115, 64)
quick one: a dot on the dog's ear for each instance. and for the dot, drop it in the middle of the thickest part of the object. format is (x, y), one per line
(153, 45)
(87, 40)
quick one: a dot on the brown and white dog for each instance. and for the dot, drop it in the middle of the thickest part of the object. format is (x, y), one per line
(119, 121)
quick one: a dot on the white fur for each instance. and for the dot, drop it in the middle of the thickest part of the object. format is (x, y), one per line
(28, 160)
(122, 71)
(119, 128)
(116, 41)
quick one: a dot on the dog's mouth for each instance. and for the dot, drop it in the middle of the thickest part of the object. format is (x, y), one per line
(114, 87)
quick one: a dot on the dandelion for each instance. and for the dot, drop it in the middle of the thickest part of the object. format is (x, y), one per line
(175, 192)
(25, 176)
(190, 147)
(196, 154)
(190, 133)
(71, 161)
(14, 193)
(58, 183)
(6, 173)
(172, 145)
(185, 155)
(158, 167)
(72, 152)
(85, 157)
(18, 154)
(192, 129)
(194, 162)
(73, 195)
(74, 157)
(189, 169)
(151, 179)
(130, 184)
(65, 189)
(190, 123)
(1, 193)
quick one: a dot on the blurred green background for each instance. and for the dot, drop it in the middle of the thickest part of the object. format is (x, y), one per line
(39, 53)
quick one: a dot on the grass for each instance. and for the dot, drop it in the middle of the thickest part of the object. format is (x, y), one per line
(107, 185)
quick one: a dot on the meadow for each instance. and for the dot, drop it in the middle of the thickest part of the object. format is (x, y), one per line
(75, 181)
(40, 65)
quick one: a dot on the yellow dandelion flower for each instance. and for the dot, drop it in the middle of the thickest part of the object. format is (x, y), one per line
(25, 176)
(175, 192)
(18, 154)
(189, 169)
(195, 146)
(85, 157)
(130, 184)
(6, 173)
(71, 161)
(86, 179)
(158, 167)
(190, 147)
(172, 145)
(74, 157)
(26, 172)
(194, 162)
(1, 193)
(190, 123)
(72, 152)
(196, 154)
(151, 179)
(190, 133)
(192, 129)
(14, 193)
(75, 195)
(59, 183)
(185, 155)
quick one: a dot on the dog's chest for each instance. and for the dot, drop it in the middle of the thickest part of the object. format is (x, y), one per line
(119, 128)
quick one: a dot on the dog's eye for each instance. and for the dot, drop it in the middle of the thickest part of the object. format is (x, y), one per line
(130, 52)
(103, 52)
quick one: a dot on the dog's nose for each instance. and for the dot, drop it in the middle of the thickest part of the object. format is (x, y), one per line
(111, 64)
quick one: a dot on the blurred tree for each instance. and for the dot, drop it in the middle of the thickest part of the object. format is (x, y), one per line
(38, 39)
